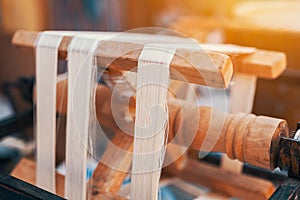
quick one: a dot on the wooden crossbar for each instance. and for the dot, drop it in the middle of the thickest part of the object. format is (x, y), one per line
(197, 66)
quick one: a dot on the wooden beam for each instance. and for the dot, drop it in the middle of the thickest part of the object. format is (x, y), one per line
(197, 66)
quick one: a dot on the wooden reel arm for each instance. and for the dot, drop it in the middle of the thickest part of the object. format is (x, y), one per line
(123, 55)
(110, 56)
(195, 65)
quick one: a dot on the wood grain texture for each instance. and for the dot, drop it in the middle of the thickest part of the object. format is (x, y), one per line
(200, 67)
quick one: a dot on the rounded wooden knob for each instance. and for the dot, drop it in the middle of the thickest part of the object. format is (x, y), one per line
(251, 138)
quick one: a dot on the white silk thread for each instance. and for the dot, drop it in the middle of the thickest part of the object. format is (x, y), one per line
(151, 121)
(46, 74)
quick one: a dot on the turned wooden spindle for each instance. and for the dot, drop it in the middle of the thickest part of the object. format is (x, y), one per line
(245, 137)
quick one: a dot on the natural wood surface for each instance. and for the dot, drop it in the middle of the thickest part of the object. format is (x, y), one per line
(263, 64)
(197, 66)
(25, 171)
(240, 186)
(247, 138)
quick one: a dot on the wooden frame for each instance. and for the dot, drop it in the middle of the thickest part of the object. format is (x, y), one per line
(124, 60)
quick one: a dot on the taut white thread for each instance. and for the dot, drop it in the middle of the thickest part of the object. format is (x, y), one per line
(151, 121)
(46, 73)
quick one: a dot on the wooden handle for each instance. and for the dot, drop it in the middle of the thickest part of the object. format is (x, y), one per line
(248, 138)
(245, 137)
(196, 66)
